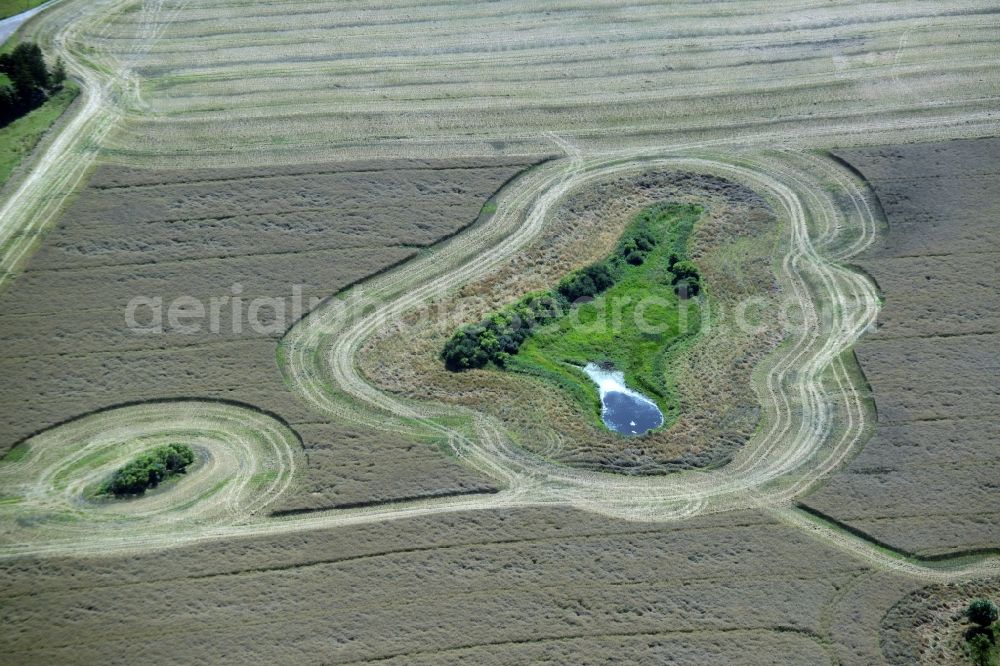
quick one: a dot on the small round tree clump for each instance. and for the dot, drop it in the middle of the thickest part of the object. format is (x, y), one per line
(982, 612)
(148, 470)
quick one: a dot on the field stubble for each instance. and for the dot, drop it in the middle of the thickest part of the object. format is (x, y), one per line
(925, 483)
(608, 78)
(68, 350)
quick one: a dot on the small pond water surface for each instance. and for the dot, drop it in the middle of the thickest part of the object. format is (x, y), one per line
(623, 410)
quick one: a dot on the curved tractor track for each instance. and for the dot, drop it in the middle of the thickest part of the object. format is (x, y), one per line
(797, 446)
(813, 416)
(245, 460)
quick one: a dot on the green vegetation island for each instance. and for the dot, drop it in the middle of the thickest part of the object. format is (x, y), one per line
(148, 470)
(627, 312)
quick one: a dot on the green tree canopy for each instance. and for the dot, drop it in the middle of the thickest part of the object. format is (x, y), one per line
(148, 470)
(979, 649)
(28, 81)
(982, 612)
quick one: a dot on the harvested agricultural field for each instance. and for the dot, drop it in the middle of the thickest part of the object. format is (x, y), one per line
(490, 587)
(228, 83)
(927, 481)
(778, 580)
(258, 225)
(928, 626)
(293, 234)
(355, 467)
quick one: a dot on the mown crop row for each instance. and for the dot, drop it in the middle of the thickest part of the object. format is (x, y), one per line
(316, 81)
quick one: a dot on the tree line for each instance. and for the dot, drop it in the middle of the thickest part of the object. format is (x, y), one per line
(26, 81)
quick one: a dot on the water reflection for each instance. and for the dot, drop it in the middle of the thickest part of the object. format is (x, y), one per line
(623, 410)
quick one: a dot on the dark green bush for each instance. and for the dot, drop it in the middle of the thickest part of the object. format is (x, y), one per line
(687, 288)
(684, 270)
(634, 255)
(637, 243)
(587, 282)
(498, 336)
(686, 280)
(644, 240)
(982, 612)
(148, 470)
(979, 647)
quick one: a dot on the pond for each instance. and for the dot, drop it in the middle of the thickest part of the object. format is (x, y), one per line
(623, 410)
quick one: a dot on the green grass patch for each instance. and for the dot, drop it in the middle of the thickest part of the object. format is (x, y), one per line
(631, 311)
(20, 137)
(12, 7)
(16, 454)
(201, 498)
(634, 325)
(263, 478)
(31, 521)
(93, 459)
(281, 358)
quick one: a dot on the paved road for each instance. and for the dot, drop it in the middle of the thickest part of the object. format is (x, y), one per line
(12, 23)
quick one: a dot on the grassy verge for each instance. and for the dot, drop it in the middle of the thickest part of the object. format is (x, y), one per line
(20, 137)
(634, 324)
(263, 478)
(11, 7)
(16, 454)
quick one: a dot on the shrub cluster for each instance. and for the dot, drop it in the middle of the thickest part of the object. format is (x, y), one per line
(635, 246)
(26, 82)
(686, 279)
(498, 336)
(148, 469)
(587, 282)
(982, 612)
